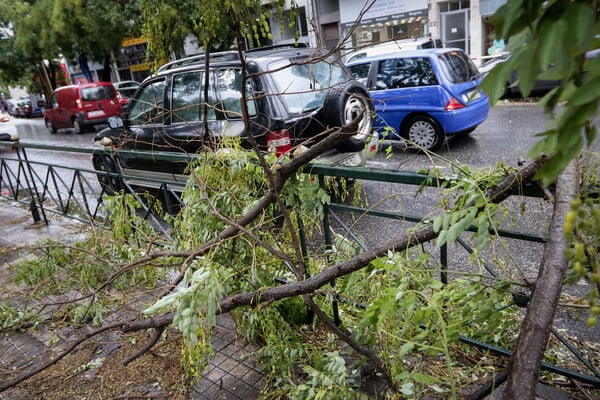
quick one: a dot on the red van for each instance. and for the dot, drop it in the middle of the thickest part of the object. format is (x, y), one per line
(82, 106)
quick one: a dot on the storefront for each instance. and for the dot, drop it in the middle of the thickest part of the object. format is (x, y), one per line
(468, 24)
(385, 20)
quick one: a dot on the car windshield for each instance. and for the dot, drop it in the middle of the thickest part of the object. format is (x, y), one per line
(305, 86)
(458, 67)
(97, 93)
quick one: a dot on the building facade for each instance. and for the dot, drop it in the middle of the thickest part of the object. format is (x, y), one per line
(351, 23)
(468, 24)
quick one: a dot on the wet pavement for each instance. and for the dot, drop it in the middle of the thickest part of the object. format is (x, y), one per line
(232, 373)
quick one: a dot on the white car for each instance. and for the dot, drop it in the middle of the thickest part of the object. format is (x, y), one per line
(8, 130)
(393, 47)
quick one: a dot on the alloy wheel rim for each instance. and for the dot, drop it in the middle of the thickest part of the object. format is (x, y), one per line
(422, 134)
(354, 107)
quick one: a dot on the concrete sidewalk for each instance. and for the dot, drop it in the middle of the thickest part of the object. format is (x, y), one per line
(232, 373)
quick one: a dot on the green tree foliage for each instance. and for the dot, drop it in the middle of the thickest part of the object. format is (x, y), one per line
(551, 39)
(45, 29)
(214, 23)
(17, 65)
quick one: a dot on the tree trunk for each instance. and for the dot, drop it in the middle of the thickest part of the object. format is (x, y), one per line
(106, 71)
(525, 362)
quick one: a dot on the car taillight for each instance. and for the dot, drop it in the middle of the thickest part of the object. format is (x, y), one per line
(279, 141)
(454, 104)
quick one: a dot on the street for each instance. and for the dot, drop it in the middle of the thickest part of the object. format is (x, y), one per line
(505, 136)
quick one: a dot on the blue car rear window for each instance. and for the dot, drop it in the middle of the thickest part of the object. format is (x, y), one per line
(458, 67)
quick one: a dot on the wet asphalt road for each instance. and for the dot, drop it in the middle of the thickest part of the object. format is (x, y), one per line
(505, 136)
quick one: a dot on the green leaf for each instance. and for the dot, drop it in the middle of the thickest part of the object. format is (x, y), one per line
(553, 167)
(406, 348)
(546, 48)
(583, 17)
(453, 233)
(437, 223)
(494, 84)
(407, 389)
(587, 93)
(441, 239)
(527, 72)
(422, 378)
(574, 117)
(506, 18)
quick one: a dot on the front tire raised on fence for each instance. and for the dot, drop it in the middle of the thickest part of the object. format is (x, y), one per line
(344, 105)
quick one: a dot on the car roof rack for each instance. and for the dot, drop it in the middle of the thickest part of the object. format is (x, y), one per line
(278, 46)
(218, 56)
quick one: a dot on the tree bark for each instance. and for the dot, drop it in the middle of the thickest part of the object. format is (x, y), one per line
(525, 362)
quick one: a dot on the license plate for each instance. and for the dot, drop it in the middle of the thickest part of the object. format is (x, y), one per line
(473, 94)
(351, 161)
(98, 113)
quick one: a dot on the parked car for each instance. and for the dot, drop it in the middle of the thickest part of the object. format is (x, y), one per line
(126, 89)
(8, 130)
(423, 96)
(22, 109)
(291, 100)
(37, 107)
(512, 84)
(392, 47)
(82, 106)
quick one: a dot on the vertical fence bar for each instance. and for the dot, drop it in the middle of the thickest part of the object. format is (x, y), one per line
(31, 186)
(328, 246)
(444, 264)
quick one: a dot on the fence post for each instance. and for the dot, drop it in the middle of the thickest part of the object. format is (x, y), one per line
(31, 187)
(329, 246)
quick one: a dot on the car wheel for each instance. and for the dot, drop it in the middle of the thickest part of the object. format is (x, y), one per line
(342, 106)
(77, 127)
(424, 132)
(105, 164)
(50, 127)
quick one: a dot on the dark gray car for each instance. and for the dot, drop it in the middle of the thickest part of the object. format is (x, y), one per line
(293, 96)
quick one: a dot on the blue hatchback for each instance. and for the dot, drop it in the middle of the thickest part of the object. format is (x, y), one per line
(422, 96)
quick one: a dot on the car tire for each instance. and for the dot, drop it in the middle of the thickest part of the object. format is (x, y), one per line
(51, 128)
(423, 132)
(342, 106)
(77, 127)
(106, 164)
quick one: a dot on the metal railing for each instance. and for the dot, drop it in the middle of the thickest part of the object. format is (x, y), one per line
(421, 180)
(75, 192)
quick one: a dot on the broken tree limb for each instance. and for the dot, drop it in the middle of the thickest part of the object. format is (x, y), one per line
(525, 362)
(512, 184)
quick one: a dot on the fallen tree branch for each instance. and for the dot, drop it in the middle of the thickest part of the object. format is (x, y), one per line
(524, 364)
(512, 184)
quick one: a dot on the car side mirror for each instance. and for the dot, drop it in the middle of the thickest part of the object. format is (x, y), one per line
(115, 122)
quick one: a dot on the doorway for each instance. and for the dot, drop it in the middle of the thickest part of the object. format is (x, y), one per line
(455, 29)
